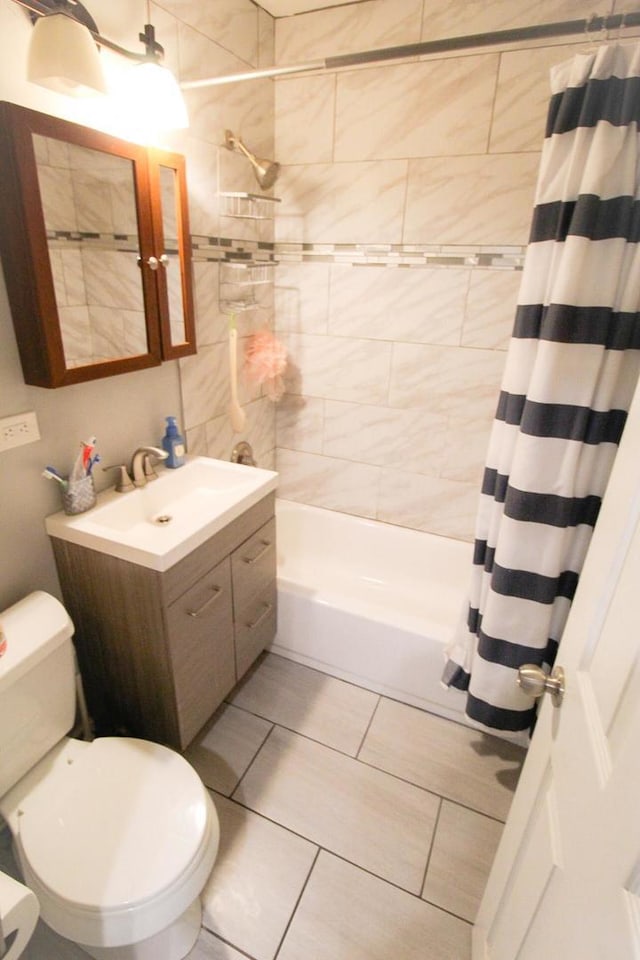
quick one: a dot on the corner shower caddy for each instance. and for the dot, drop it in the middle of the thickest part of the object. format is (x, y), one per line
(239, 278)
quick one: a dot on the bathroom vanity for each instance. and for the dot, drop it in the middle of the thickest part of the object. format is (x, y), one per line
(159, 650)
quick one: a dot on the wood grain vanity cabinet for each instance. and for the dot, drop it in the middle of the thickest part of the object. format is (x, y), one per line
(158, 652)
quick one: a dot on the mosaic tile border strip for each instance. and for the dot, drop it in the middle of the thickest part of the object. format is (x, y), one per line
(360, 254)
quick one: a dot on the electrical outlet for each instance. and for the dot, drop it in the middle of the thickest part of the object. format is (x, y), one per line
(18, 430)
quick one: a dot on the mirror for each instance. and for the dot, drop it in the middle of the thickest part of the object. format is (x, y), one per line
(95, 249)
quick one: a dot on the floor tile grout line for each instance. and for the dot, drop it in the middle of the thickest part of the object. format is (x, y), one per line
(250, 764)
(431, 846)
(357, 759)
(297, 903)
(371, 718)
(228, 943)
(339, 856)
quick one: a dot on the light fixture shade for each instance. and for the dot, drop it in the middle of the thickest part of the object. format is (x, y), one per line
(63, 57)
(158, 97)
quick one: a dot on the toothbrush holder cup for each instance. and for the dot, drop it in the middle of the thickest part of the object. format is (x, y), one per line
(80, 495)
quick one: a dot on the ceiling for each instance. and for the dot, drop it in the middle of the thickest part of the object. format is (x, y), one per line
(286, 8)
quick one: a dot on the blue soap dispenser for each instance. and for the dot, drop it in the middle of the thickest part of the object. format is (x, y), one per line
(173, 443)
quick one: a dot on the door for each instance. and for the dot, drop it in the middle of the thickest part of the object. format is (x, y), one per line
(565, 884)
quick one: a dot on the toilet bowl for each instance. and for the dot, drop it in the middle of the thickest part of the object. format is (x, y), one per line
(116, 837)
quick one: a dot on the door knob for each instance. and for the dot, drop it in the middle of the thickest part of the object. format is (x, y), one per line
(534, 681)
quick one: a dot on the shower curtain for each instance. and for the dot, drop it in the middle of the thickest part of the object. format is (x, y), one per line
(570, 373)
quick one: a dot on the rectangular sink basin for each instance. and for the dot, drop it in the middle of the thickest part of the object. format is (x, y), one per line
(159, 524)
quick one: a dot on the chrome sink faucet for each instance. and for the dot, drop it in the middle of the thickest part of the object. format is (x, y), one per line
(142, 464)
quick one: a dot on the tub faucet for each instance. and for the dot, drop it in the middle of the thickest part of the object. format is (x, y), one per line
(142, 464)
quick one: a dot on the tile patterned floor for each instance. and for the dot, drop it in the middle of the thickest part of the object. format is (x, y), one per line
(353, 827)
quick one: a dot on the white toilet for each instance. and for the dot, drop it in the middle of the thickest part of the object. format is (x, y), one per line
(117, 837)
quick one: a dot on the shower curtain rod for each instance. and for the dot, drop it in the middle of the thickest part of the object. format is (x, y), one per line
(540, 31)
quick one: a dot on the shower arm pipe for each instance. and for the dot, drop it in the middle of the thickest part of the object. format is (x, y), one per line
(42, 10)
(517, 34)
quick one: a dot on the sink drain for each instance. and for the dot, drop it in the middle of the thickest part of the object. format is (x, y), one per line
(163, 518)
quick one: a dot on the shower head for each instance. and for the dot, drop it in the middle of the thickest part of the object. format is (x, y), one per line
(266, 171)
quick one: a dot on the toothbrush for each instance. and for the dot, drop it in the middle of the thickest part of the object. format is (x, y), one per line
(51, 474)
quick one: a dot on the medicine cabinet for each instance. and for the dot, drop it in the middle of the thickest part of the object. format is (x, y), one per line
(95, 247)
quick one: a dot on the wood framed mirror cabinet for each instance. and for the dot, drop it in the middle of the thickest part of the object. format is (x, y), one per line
(95, 248)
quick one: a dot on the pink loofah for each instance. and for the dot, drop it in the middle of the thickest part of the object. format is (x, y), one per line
(265, 361)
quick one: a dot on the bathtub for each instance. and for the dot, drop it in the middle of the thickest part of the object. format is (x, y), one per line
(370, 602)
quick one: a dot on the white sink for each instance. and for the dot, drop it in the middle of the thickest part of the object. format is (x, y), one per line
(161, 523)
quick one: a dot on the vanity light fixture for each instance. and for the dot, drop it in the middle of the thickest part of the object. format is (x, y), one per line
(154, 87)
(63, 55)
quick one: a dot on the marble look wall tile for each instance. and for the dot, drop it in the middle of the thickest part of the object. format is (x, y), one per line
(384, 437)
(92, 201)
(326, 482)
(260, 430)
(338, 368)
(211, 325)
(342, 203)
(135, 331)
(266, 39)
(483, 199)
(202, 187)
(75, 328)
(259, 874)
(370, 920)
(490, 308)
(443, 507)
(305, 109)
(449, 380)
(107, 332)
(73, 272)
(419, 305)
(57, 272)
(465, 451)
(112, 279)
(444, 18)
(325, 33)
(231, 23)
(522, 97)
(220, 437)
(300, 422)
(302, 297)
(56, 191)
(426, 109)
(196, 439)
(205, 394)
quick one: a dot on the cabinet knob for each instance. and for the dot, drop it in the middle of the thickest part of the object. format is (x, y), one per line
(153, 263)
(165, 261)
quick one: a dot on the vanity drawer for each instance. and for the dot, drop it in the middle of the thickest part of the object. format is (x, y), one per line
(200, 629)
(253, 566)
(255, 627)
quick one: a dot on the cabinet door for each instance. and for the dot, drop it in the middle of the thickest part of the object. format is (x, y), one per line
(200, 629)
(255, 627)
(253, 567)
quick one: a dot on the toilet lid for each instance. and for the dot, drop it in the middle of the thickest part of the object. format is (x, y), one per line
(122, 823)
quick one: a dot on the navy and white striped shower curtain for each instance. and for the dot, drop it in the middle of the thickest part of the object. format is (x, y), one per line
(570, 373)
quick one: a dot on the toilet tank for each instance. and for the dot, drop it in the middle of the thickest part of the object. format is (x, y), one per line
(37, 683)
